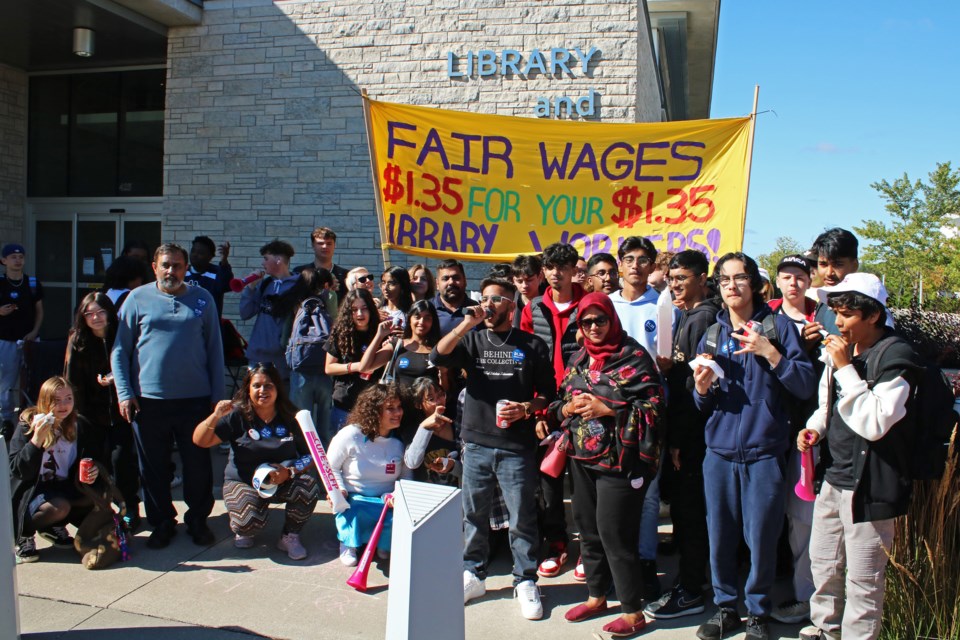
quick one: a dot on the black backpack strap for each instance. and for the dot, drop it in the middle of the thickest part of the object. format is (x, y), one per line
(711, 337)
(769, 326)
(875, 357)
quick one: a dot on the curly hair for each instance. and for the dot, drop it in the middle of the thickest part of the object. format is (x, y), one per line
(286, 410)
(368, 409)
(45, 403)
(345, 335)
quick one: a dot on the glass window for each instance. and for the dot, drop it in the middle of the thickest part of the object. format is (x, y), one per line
(96, 134)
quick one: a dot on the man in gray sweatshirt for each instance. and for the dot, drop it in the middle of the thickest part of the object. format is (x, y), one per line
(167, 364)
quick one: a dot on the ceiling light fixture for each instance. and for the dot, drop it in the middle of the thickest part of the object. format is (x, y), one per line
(83, 42)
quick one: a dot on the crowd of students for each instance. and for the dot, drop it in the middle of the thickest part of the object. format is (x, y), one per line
(426, 382)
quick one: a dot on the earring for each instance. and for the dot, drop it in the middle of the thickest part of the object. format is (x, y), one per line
(277, 260)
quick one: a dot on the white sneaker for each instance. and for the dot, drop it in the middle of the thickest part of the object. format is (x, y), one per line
(242, 542)
(528, 594)
(791, 612)
(290, 542)
(348, 555)
(473, 587)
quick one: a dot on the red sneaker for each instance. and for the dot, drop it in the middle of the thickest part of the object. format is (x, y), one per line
(620, 628)
(556, 558)
(579, 574)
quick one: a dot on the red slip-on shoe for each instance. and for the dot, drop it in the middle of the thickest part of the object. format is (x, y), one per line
(551, 567)
(582, 612)
(620, 628)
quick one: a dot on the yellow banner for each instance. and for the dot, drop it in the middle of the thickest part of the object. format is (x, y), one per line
(485, 187)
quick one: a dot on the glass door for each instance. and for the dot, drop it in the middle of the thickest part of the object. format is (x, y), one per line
(72, 252)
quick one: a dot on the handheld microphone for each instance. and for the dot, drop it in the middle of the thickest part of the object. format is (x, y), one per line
(488, 313)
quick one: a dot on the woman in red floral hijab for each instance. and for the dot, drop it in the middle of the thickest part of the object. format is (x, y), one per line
(610, 410)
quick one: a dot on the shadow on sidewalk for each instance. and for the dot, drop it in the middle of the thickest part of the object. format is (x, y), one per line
(148, 633)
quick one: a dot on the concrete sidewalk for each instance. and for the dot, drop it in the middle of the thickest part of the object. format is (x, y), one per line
(220, 592)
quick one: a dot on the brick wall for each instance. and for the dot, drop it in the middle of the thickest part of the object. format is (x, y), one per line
(13, 153)
(265, 133)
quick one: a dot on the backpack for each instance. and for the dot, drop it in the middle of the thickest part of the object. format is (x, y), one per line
(933, 395)
(769, 329)
(311, 328)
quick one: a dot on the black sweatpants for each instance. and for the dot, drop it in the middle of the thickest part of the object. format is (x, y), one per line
(607, 511)
(688, 510)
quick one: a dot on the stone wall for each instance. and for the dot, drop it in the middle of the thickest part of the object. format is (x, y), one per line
(13, 153)
(264, 124)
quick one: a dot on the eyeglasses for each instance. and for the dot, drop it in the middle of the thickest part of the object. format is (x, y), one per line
(739, 279)
(677, 279)
(600, 322)
(642, 260)
(494, 299)
(603, 273)
(102, 313)
(364, 279)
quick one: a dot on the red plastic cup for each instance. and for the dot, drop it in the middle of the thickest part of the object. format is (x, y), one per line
(86, 470)
(751, 325)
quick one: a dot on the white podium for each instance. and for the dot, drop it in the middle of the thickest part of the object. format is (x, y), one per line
(9, 606)
(425, 598)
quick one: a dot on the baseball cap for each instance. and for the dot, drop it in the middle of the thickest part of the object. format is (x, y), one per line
(864, 283)
(12, 248)
(795, 260)
(764, 274)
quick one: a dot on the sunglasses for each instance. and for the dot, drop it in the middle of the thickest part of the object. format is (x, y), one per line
(494, 299)
(261, 365)
(364, 279)
(599, 321)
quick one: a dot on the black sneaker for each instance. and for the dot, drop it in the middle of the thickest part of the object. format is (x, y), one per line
(651, 581)
(58, 536)
(27, 551)
(132, 523)
(722, 623)
(757, 628)
(162, 534)
(201, 534)
(675, 604)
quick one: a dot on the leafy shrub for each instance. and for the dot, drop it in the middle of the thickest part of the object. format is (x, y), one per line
(934, 335)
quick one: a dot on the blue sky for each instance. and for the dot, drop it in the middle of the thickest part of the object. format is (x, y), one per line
(862, 91)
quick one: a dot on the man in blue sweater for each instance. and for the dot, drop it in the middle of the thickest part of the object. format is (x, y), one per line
(747, 436)
(168, 368)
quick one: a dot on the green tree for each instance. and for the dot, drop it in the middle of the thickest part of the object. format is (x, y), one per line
(783, 246)
(914, 243)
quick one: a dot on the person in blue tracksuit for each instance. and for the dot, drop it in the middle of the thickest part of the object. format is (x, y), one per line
(747, 437)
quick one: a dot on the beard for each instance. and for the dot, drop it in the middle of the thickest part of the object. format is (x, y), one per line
(170, 283)
(452, 294)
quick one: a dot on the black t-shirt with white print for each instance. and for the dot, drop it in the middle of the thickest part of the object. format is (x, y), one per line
(255, 443)
(513, 365)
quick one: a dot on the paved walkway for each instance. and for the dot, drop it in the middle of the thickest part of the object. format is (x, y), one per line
(222, 593)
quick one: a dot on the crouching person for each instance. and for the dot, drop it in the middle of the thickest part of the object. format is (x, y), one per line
(868, 423)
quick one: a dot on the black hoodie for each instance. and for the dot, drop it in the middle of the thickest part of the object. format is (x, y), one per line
(684, 421)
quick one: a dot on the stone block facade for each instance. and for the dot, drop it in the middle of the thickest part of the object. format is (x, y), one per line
(13, 153)
(264, 123)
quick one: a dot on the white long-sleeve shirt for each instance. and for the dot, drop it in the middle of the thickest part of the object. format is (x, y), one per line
(368, 467)
(870, 413)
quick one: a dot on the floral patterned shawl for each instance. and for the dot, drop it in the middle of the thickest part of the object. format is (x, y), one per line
(629, 383)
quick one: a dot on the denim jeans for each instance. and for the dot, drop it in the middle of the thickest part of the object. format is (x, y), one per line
(516, 473)
(314, 392)
(650, 518)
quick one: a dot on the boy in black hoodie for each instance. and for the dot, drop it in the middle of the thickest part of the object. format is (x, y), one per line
(687, 279)
(869, 428)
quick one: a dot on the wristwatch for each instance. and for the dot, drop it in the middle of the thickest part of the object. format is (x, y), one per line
(527, 409)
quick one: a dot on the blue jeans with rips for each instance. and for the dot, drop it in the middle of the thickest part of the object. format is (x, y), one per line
(516, 473)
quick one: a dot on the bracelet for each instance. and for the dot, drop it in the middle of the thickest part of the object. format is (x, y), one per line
(349, 364)
(457, 333)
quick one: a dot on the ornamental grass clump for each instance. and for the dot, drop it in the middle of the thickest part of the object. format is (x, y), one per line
(923, 577)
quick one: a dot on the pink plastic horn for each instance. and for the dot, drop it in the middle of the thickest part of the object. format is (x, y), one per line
(358, 580)
(804, 488)
(237, 285)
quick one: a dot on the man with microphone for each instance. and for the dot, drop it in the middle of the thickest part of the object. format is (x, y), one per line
(509, 377)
